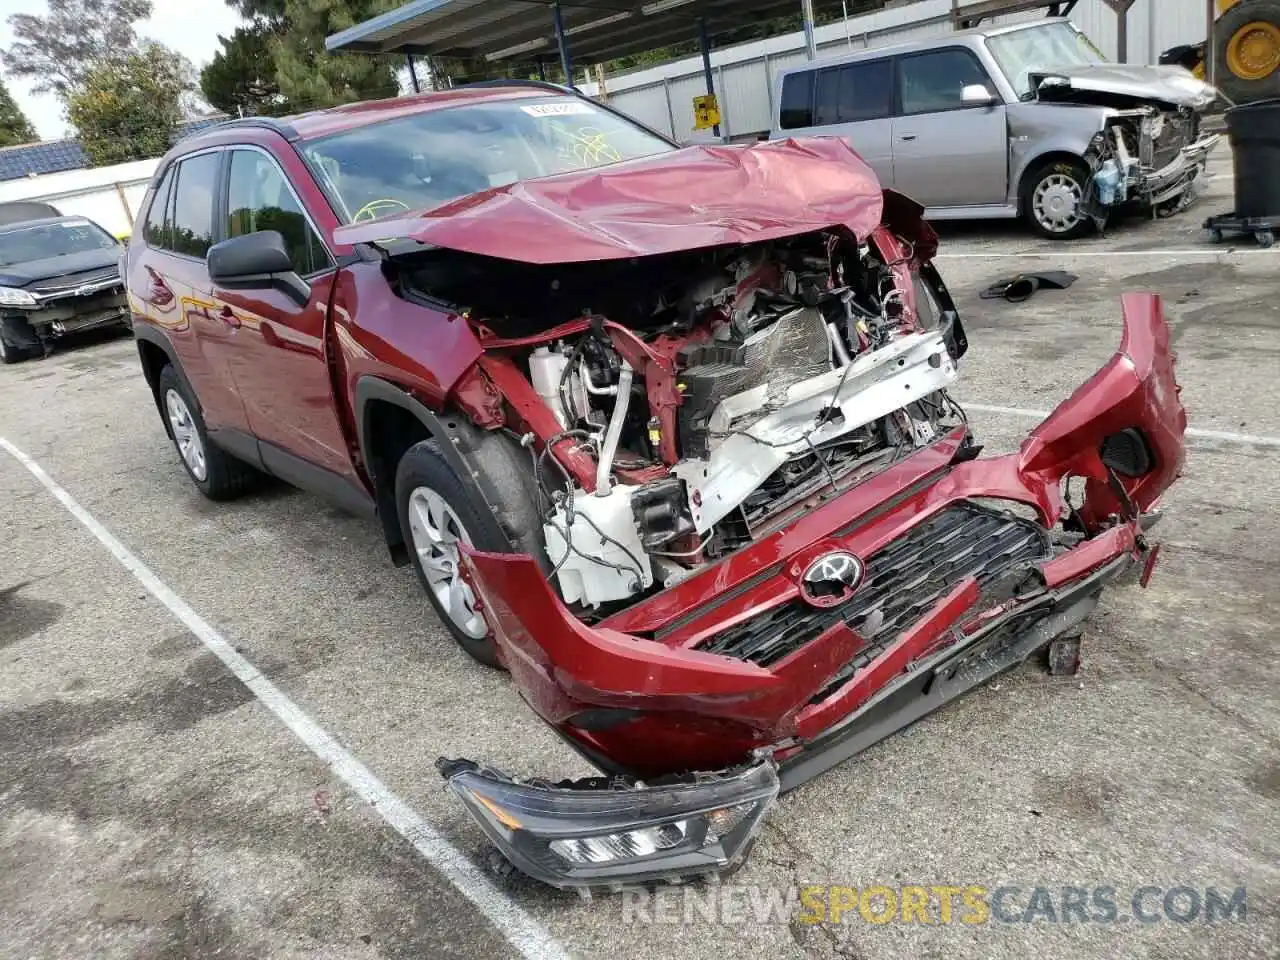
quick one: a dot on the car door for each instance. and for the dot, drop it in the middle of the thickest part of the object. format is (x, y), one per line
(947, 153)
(170, 286)
(851, 100)
(280, 363)
(854, 101)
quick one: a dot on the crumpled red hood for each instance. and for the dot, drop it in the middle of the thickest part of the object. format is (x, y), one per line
(699, 196)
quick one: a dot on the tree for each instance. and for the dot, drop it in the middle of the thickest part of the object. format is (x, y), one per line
(241, 77)
(127, 108)
(57, 52)
(260, 11)
(310, 76)
(15, 128)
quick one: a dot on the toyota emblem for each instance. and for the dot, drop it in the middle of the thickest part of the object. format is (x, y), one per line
(831, 579)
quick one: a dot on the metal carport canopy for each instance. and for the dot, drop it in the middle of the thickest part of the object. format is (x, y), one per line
(524, 30)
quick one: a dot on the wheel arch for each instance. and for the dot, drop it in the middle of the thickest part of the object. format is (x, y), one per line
(1032, 166)
(155, 353)
(390, 420)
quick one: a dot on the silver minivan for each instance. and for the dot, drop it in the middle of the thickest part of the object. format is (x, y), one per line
(1028, 120)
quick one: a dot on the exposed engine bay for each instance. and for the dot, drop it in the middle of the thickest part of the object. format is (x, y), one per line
(1149, 149)
(1129, 155)
(681, 406)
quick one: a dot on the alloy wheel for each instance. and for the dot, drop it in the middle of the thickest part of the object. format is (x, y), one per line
(436, 532)
(1058, 202)
(185, 435)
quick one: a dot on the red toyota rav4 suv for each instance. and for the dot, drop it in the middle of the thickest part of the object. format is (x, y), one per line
(665, 432)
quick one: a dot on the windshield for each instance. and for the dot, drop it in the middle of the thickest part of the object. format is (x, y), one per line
(44, 240)
(1050, 46)
(429, 158)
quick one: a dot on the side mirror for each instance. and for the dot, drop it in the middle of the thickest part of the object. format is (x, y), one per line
(257, 261)
(976, 95)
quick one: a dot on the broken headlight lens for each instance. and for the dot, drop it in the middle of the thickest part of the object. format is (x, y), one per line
(601, 833)
(13, 297)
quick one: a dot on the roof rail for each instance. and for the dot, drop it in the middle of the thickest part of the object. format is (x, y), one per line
(269, 123)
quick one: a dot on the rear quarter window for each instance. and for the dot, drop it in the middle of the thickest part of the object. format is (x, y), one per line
(156, 230)
(795, 109)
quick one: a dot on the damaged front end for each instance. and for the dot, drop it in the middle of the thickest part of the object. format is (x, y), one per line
(766, 539)
(853, 621)
(1150, 149)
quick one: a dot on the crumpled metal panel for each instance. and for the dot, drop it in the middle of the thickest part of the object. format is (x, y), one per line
(700, 196)
(744, 457)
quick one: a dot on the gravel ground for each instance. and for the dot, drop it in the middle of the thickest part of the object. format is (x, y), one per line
(150, 806)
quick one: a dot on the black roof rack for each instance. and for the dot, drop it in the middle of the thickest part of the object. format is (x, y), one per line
(285, 130)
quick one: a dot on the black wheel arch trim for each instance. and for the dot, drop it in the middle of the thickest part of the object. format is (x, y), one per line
(453, 441)
(148, 333)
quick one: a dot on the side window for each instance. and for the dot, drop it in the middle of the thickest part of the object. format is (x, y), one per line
(932, 82)
(853, 92)
(866, 91)
(259, 198)
(796, 110)
(156, 231)
(193, 205)
(826, 97)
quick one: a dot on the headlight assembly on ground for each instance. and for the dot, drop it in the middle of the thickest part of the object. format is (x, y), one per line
(603, 833)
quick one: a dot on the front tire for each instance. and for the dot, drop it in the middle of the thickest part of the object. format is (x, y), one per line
(1054, 199)
(18, 341)
(216, 473)
(436, 513)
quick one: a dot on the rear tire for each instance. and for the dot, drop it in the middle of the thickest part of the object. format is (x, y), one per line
(216, 473)
(1054, 199)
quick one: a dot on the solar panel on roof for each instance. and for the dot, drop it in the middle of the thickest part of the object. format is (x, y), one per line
(56, 156)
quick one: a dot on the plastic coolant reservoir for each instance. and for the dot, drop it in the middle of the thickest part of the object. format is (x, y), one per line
(599, 570)
(546, 367)
(1107, 180)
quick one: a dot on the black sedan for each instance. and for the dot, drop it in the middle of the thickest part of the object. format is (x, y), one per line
(58, 275)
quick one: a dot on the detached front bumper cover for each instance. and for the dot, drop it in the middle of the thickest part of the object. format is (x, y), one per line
(608, 832)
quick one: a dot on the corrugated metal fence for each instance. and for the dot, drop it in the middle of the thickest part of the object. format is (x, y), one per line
(662, 96)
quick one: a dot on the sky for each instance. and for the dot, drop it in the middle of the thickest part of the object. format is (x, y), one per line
(189, 26)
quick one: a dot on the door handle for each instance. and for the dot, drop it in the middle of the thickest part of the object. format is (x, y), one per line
(907, 136)
(228, 316)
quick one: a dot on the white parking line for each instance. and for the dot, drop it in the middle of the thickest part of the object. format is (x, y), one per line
(1246, 438)
(528, 936)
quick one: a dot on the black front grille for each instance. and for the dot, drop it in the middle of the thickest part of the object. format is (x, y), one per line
(72, 280)
(901, 583)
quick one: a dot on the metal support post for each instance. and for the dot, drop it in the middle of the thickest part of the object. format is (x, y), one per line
(413, 73)
(565, 63)
(704, 41)
(810, 42)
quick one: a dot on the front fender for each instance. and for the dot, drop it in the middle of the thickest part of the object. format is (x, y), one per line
(1039, 130)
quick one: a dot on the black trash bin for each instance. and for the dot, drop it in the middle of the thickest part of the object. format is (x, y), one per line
(1254, 131)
